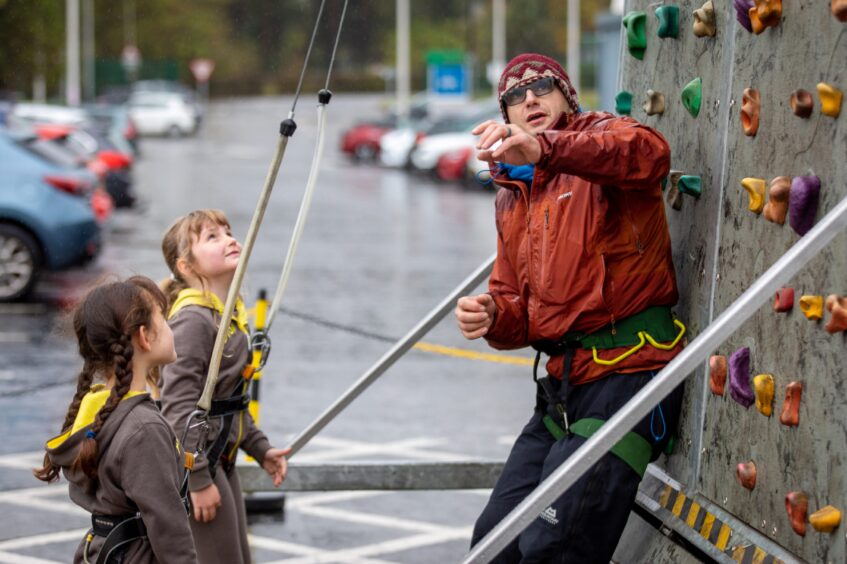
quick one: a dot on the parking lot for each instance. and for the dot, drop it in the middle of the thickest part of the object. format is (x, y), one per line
(381, 248)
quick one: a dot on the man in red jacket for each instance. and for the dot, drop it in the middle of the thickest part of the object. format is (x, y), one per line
(584, 274)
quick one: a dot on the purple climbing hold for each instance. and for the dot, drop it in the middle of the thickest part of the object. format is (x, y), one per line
(742, 13)
(803, 203)
(739, 377)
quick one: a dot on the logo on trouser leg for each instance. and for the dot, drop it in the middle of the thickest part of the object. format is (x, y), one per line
(549, 515)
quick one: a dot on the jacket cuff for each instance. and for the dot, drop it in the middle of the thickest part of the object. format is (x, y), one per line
(199, 480)
(258, 449)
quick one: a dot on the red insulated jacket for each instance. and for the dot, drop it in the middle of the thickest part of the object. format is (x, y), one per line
(587, 243)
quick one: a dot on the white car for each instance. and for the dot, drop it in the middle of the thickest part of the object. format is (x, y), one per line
(394, 146)
(32, 113)
(162, 113)
(425, 155)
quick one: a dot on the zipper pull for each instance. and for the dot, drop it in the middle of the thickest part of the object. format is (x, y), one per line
(546, 217)
(614, 331)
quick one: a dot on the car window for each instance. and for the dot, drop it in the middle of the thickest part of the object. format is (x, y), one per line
(51, 152)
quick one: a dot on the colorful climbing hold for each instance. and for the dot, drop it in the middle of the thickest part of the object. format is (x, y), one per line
(742, 13)
(750, 106)
(691, 185)
(796, 505)
(803, 203)
(791, 407)
(812, 307)
(784, 300)
(802, 103)
(692, 96)
(705, 24)
(623, 103)
(777, 207)
(655, 103)
(635, 24)
(764, 14)
(839, 10)
(745, 472)
(826, 519)
(739, 377)
(763, 385)
(717, 374)
(668, 21)
(830, 99)
(837, 308)
(755, 188)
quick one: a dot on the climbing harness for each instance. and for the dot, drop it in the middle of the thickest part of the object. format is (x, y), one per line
(118, 532)
(653, 325)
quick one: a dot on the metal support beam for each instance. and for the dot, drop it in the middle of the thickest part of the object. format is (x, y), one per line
(403, 82)
(397, 351)
(376, 476)
(72, 53)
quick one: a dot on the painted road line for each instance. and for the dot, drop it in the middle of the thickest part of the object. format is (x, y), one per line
(370, 519)
(41, 540)
(11, 558)
(473, 355)
(14, 337)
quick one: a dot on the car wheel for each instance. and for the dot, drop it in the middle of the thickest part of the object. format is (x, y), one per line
(174, 131)
(365, 152)
(20, 258)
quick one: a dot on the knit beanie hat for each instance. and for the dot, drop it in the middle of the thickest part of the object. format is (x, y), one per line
(529, 67)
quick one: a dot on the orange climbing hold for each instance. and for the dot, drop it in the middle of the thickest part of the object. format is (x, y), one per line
(745, 472)
(750, 106)
(764, 14)
(812, 307)
(839, 10)
(756, 189)
(802, 103)
(797, 505)
(763, 385)
(717, 374)
(777, 207)
(826, 519)
(784, 300)
(837, 307)
(790, 415)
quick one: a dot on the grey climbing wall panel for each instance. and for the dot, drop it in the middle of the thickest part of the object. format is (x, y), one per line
(720, 247)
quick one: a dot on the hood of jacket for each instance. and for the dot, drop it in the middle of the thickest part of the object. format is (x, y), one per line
(63, 449)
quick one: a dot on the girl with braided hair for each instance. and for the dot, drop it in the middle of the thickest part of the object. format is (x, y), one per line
(119, 454)
(202, 256)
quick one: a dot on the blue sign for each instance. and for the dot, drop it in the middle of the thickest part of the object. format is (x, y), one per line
(448, 79)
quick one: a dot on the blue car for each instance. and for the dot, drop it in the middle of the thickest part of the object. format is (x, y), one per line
(46, 218)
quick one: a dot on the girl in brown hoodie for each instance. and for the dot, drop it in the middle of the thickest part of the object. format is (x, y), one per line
(117, 451)
(202, 256)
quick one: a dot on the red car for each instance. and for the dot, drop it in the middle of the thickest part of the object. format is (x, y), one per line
(361, 142)
(453, 164)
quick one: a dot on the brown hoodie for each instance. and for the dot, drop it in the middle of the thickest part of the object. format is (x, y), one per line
(195, 328)
(138, 471)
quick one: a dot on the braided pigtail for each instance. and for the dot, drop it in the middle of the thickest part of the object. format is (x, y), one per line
(122, 352)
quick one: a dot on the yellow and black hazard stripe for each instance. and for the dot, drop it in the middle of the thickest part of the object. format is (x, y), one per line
(713, 529)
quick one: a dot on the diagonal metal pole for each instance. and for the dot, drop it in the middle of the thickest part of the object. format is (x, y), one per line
(664, 383)
(393, 355)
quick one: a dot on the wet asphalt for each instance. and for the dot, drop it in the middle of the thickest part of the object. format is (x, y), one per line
(380, 249)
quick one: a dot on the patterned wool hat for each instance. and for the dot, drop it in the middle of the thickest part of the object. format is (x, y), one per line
(528, 68)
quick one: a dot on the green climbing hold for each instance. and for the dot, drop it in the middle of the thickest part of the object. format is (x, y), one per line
(635, 24)
(668, 21)
(692, 96)
(623, 103)
(691, 185)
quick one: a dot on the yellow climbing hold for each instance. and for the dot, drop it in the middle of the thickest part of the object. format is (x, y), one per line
(764, 387)
(755, 187)
(812, 307)
(825, 520)
(830, 99)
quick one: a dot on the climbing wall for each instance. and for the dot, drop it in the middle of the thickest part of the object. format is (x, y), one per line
(721, 247)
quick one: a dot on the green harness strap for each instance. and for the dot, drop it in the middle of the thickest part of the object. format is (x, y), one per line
(633, 449)
(656, 320)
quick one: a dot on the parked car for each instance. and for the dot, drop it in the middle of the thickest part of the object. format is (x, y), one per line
(99, 155)
(113, 121)
(172, 86)
(46, 217)
(162, 113)
(362, 141)
(33, 113)
(397, 145)
(425, 155)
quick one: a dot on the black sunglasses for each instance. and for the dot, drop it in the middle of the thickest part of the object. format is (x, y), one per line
(540, 87)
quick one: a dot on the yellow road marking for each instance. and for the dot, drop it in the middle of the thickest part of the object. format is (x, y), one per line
(473, 355)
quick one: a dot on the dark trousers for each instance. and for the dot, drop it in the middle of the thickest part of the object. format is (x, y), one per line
(584, 524)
